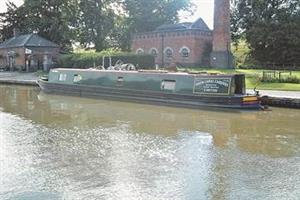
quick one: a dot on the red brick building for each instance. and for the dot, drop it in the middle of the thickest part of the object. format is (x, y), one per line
(187, 44)
(28, 52)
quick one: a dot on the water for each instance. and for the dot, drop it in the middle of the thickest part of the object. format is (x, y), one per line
(59, 147)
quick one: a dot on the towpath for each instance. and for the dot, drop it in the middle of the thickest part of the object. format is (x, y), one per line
(278, 93)
(18, 78)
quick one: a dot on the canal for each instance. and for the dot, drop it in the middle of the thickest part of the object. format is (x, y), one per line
(60, 147)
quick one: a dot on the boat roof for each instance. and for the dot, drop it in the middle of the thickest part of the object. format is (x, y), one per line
(146, 72)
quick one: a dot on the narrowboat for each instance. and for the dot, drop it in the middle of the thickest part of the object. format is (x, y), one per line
(196, 90)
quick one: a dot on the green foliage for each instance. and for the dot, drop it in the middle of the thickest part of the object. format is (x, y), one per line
(50, 19)
(121, 35)
(241, 53)
(270, 27)
(94, 59)
(96, 24)
(10, 20)
(146, 15)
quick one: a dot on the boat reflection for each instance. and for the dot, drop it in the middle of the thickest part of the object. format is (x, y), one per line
(269, 133)
(101, 149)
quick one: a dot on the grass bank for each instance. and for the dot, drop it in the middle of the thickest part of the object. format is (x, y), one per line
(253, 79)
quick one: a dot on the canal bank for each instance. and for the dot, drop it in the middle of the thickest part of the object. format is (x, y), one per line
(283, 102)
(276, 98)
(17, 78)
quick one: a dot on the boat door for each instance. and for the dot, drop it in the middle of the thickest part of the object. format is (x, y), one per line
(11, 62)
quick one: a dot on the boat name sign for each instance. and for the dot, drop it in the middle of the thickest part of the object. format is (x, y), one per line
(219, 86)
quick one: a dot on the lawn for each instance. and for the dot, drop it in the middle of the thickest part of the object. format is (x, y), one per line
(253, 79)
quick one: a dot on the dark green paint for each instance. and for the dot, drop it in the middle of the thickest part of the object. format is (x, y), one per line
(151, 81)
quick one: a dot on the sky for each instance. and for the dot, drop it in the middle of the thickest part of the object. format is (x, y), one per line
(204, 9)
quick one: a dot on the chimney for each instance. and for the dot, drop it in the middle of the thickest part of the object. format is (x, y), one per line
(221, 56)
(16, 32)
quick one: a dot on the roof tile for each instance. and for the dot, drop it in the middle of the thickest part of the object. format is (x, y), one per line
(28, 40)
(198, 24)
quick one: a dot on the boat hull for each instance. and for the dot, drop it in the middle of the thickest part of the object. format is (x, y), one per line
(178, 100)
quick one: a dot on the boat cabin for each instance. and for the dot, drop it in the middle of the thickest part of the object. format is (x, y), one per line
(154, 81)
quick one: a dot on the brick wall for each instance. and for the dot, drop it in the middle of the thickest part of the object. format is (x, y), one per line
(194, 40)
(222, 39)
(221, 56)
(20, 58)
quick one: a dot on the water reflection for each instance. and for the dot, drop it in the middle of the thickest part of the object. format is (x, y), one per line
(80, 148)
(272, 133)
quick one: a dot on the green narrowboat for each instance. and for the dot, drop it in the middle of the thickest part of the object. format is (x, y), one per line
(158, 87)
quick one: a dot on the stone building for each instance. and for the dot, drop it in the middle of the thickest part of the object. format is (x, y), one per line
(28, 53)
(187, 44)
(190, 44)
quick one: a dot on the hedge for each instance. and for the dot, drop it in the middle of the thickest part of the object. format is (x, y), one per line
(91, 59)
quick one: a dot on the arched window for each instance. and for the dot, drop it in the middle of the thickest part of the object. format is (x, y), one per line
(169, 52)
(185, 52)
(139, 51)
(153, 52)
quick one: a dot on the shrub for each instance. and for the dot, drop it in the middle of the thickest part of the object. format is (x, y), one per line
(92, 59)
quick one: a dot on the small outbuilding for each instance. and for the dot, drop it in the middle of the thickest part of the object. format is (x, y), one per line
(28, 53)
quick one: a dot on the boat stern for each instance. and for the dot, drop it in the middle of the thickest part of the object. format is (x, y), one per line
(253, 102)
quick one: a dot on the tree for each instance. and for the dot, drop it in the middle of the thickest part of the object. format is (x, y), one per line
(96, 23)
(146, 15)
(50, 19)
(270, 27)
(10, 20)
(121, 34)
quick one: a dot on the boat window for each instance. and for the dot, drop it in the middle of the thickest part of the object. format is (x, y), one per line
(168, 85)
(120, 81)
(239, 82)
(62, 77)
(77, 78)
(233, 87)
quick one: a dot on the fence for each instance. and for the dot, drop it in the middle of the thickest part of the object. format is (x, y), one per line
(279, 77)
(275, 66)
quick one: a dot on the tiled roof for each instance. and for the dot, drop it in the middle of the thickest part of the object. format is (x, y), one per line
(179, 26)
(28, 40)
(199, 24)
